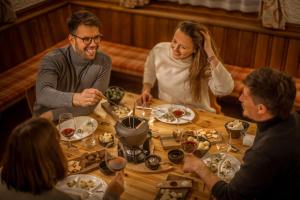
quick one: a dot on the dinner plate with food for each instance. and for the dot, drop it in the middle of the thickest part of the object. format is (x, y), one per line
(85, 126)
(83, 183)
(173, 114)
(222, 164)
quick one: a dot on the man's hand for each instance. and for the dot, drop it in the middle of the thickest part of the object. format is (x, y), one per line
(115, 187)
(196, 165)
(87, 97)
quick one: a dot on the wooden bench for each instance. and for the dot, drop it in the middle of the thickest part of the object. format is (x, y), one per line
(19, 81)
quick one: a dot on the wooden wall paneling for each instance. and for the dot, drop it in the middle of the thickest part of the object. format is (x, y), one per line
(163, 30)
(151, 32)
(105, 17)
(231, 43)
(262, 50)
(172, 25)
(292, 65)
(58, 23)
(116, 27)
(25, 30)
(126, 28)
(218, 36)
(12, 49)
(277, 52)
(121, 27)
(246, 48)
(139, 31)
(46, 32)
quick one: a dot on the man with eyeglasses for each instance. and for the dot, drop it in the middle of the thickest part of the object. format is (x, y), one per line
(73, 78)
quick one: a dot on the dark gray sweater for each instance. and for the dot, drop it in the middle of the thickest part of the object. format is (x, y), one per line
(62, 73)
(271, 168)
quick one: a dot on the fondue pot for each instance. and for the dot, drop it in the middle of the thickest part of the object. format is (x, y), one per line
(132, 131)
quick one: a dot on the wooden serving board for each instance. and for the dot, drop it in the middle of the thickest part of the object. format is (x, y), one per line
(141, 168)
(168, 142)
(183, 192)
(86, 163)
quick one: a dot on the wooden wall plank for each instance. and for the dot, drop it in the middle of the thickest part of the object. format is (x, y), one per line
(218, 36)
(245, 52)
(231, 43)
(292, 65)
(277, 53)
(261, 53)
(139, 31)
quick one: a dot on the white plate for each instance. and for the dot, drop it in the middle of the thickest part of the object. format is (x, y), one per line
(83, 183)
(86, 124)
(225, 164)
(163, 114)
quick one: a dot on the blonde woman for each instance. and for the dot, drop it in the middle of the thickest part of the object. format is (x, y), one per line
(186, 69)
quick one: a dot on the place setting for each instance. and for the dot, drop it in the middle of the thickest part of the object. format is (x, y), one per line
(86, 186)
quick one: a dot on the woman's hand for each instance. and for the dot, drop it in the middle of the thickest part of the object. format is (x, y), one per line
(211, 57)
(146, 96)
(144, 99)
(207, 44)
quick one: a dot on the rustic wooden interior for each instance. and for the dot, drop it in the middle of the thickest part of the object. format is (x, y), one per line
(241, 38)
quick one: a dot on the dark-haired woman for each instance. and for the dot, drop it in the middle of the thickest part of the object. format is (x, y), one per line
(33, 163)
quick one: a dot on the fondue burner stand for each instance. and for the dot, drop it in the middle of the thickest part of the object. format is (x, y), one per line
(135, 154)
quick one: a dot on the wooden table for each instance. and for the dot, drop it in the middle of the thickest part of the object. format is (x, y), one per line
(143, 185)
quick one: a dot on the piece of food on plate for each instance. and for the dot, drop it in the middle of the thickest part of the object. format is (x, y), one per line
(74, 166)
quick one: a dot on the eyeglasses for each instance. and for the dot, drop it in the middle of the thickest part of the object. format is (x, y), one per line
(88, 40)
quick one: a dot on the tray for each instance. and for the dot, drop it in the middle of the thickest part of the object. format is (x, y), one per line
(178, 192)
(86, 163)
(168, 141)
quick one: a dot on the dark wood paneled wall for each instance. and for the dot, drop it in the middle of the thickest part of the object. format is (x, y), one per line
(32, 34)
(241, 41)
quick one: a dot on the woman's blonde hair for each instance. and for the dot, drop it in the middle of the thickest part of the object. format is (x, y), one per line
(199, 68)
(33, 159)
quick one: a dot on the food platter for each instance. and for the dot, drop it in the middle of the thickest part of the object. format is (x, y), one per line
(86, 162)
(173, 114)
(223, 165)
(83, 183)
(85, 126)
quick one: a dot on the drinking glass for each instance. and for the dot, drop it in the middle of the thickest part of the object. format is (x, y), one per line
(90, 141)
(225, 145)
(67, 127)
(115, 162)
(189, 141)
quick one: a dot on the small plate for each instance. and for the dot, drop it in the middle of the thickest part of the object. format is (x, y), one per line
(83, 183)
(85, 126)
(164, 114)
(223, 165)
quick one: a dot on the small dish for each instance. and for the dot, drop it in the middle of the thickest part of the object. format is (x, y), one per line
(152, 162)
(236, 128)
(114, 95)
(106, 139)
(176, 156)
(203, 146)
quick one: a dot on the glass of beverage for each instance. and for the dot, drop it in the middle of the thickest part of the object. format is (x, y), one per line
(67, 127)
(115, 163)
(189, 141)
